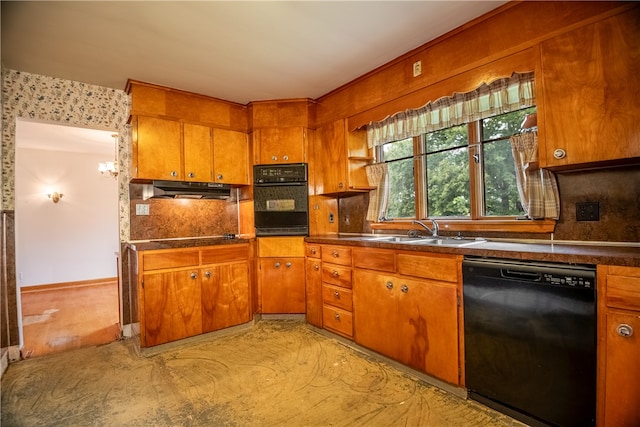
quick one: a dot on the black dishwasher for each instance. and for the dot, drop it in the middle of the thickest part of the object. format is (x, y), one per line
(530, 339)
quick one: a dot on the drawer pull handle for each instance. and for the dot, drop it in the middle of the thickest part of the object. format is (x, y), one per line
(389, 285)
(336, 294)
(173, 173)
(207, 274)
(316, 267)
(335, 254)
(285, 157)
(274, 157)
(276, 265)
(336, 316)
(624, 330)
(313, 251)
(194, 276)
(288, 265)
(219, 176)
(335, 273)
(192, 175)
(404, 288)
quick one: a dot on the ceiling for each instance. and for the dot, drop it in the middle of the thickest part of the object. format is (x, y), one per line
(240, 51)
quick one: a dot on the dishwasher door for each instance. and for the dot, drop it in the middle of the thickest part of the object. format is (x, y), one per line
(530, 339)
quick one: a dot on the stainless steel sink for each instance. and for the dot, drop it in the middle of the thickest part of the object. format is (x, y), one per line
(436, 241)
(452, 241)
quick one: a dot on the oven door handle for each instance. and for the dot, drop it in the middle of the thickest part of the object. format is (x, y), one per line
(279, 184)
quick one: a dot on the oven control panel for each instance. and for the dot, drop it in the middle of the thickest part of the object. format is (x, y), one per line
(284, 173)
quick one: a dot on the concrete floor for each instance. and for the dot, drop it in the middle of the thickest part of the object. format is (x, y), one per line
(276, 373)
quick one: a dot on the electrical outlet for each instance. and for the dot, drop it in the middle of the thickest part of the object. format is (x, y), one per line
(588, 211)
(330, 218)
(417, 68)
(142, 209)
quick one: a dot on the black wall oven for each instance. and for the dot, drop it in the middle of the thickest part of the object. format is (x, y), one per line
(281, 201)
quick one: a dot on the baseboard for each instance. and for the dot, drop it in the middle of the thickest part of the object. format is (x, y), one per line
(9, 355)
(4, 361)
(66, 285)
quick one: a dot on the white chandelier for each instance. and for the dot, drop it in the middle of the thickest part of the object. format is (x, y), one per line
(109, 167)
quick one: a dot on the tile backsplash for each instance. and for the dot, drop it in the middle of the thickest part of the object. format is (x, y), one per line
(179, 218)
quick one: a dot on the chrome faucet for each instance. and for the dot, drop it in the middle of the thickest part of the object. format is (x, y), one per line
(435, 228)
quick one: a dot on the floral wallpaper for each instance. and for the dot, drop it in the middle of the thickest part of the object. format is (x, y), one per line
(49, 99)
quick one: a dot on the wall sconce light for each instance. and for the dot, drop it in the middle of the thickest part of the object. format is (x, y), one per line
(55, 196)
(110, 168)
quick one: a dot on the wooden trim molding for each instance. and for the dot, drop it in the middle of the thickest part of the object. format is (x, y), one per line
(65, 285)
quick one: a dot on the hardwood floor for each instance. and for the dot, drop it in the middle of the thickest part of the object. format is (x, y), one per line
(60, 318)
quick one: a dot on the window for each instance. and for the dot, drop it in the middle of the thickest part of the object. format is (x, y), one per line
(464, 171)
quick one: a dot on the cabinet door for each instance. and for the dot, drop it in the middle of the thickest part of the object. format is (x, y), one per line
(282, 145)
(314, 291)
(198, 157)
(225, 295)
(172, 306)
(622, 381)
(590, 85)
(428, 327)
(331, 152)
(230, 157)
(375, 312)
(159, 149)
(282, 285)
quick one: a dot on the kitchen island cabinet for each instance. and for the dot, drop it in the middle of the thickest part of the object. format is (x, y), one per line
(189, 291)
(618, 346)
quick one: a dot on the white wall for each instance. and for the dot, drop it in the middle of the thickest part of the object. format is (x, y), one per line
(75, 239)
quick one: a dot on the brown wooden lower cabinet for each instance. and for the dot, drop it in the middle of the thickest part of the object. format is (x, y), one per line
(225, 299)
(186, 292)
(282, 285)
(172, 306)
(412, 321)
(618, 346)
(313, 286)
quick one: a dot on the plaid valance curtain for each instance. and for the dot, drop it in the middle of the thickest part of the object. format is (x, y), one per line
(500, 96)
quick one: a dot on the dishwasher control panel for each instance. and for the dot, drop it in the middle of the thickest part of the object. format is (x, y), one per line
(575, 281)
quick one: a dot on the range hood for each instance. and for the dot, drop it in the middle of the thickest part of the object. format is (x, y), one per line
(185, 190)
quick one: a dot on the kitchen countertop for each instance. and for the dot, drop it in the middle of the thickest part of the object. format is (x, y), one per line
(531, 250)
(149, 245)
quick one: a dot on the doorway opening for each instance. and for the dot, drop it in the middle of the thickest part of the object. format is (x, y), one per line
(67, 244)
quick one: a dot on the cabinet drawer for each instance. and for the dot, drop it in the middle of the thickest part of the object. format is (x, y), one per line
(312, 251)
(225, 253)
(623, 292)
(336, 254)
(337, 320)
(432, 266)
(374, 260)
(337, 297)
(275, 247)
(336, 275)
(170, 259)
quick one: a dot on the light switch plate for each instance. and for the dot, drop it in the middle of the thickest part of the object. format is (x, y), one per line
(142, 209)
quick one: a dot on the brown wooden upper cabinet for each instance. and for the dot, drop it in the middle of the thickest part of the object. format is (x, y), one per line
(171, 150)
(342, 157)
(280, 145)
(590, 105)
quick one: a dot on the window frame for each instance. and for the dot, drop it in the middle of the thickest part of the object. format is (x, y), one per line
(476, 221)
